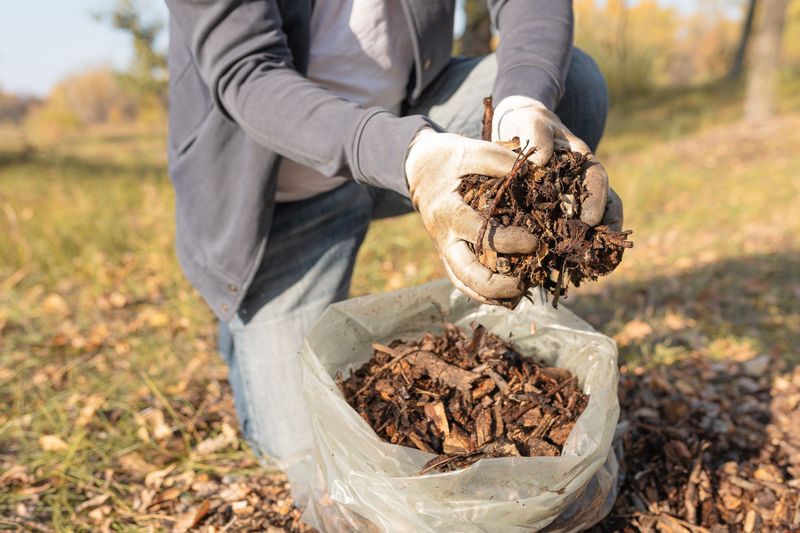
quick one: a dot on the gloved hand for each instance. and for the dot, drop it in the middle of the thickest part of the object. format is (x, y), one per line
(434, 164)
(532, 122)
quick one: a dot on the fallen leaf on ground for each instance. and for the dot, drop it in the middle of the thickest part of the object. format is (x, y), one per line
(55, 305)
(90, 407)
(52, 443)
(633, 331)
(214, 444)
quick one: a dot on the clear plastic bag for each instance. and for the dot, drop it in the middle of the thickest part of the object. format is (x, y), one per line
(372, 485)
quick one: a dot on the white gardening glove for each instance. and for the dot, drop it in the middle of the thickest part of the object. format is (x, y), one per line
(533, 123)
(434, 165)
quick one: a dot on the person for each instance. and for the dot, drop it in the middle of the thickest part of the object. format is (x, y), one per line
(294, 123)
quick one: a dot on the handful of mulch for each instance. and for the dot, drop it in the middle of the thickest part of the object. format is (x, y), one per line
(464, 398)
(547, 202)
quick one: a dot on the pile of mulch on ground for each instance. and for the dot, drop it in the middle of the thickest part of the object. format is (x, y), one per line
(546, 201)
(464, 398)
(710, 447)
(261, 502)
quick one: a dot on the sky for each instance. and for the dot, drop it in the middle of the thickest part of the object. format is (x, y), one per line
(41, 41)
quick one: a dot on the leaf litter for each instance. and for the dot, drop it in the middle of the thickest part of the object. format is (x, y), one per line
(709, 446)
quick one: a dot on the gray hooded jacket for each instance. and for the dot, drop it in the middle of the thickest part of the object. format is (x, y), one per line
(239, 102)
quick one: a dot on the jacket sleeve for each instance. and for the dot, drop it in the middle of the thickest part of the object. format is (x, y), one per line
(535, 48)
(243, 57)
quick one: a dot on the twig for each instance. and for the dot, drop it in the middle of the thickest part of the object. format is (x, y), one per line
(563, 384)
(446, 459)
(475, 342)
(666, 517)
(521, 158)
(559, 281)
(18, 521)
(488, 116)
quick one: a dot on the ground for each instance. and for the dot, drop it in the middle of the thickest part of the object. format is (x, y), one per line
(114, 409)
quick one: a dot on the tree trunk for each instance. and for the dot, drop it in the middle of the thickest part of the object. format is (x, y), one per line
(747, 29)
(765, 61)
(477, 37)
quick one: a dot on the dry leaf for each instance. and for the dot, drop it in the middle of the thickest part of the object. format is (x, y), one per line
(633, 331)
(117, 300)
(55, 305)
(155, 479)
(135, 465)
(98, 514)
(234, 492)
(241, 507)
(156, 319)
(52, 443)
(151, 422)
(16, 474)
(227, 438)
(90, 407)
(92, 502)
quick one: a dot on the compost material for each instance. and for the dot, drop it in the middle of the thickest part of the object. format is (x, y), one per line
(262, 502)
(710, 446)
(546, 201)
(464, 398)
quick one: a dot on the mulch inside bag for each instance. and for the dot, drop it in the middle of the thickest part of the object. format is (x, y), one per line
(464, 398)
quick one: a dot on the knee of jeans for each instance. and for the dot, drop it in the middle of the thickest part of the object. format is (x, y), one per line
(593, 82)
(589, 97)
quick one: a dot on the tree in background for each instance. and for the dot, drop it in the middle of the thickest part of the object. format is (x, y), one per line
(737, 66)
(477, 37)
(762, 80)
(633, 42)
(14, 107)
(147, 73)
(791, 36)
(703, 46)
(81, 100)
(101, 96)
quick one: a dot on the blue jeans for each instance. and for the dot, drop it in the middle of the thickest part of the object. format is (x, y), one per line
(312, 248)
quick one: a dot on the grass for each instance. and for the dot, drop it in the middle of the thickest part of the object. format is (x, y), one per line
(104, 345)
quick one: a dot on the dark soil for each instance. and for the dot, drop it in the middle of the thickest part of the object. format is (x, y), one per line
(464, 398)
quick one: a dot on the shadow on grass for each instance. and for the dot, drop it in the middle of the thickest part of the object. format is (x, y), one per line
(671, 96)
(719, 309)
(24, 154)
(667, 113)
(84, 167)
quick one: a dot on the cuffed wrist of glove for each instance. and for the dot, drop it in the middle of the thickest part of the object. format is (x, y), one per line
(434, 166)
(423, 137)
(507, 106)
